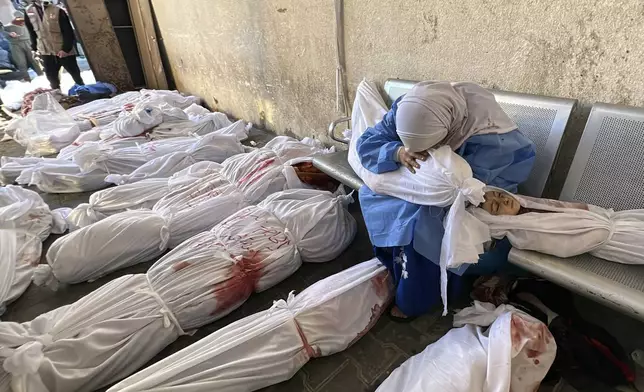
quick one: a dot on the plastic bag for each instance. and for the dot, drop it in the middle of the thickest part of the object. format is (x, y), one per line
(513, 354)
(322, 320)
(47, 128)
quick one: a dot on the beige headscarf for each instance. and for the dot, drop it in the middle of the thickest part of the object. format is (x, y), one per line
(433, 114)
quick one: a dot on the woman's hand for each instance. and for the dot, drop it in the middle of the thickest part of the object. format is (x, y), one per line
(408, 158)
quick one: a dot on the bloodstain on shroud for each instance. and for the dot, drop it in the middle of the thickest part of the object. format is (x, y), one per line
(244, 275)
(533, 337)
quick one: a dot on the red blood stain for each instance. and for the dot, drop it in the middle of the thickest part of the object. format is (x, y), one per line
(180, 265)
(532, 353)
(243, 277)
(533, 337)
(382, 284)
(376, 312)
(259, 168)
(310, 351)
(536, 362)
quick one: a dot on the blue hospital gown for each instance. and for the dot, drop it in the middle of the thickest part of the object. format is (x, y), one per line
(397, 226)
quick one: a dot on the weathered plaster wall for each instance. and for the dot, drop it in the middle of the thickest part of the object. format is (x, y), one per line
(269, 62)
(273, 61)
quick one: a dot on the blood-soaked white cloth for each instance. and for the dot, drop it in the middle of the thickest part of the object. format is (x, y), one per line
(120, 326)
(513, 354)
(271, 346)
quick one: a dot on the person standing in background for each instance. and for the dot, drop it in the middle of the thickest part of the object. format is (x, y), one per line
(20, 40)
(52, 36)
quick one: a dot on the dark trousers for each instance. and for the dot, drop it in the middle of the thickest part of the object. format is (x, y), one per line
(52, 66)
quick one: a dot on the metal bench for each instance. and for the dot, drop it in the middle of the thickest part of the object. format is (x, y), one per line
(608, 171)
(542, 119)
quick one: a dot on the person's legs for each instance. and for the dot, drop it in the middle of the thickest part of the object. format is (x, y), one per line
(70, 64)
(419, 289)
(20, 61)
(52, 70)
(417, 280)
(26, 48)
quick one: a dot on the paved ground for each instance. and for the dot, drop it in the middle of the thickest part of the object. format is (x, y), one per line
(360, 368)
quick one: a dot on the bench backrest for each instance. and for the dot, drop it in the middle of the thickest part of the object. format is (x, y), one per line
(608, 167)
(542, 119)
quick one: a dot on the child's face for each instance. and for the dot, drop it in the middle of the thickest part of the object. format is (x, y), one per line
(500, 203)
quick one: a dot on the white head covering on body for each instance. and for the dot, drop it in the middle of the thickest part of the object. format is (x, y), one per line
(433, 114)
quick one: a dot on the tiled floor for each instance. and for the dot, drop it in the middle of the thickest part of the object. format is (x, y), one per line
(360, 368)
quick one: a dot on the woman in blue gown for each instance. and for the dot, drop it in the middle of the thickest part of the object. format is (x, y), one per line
(407, 237)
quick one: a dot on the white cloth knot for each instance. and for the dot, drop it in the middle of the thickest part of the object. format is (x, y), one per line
(165, 231)
(285, 305)
(27, 358)
(473, 191)
(169, 319)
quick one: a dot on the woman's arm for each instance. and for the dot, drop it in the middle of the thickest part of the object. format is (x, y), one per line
(378, 146)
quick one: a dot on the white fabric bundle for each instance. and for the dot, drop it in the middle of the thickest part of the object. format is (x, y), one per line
(192, 173)
(569, 229)
(103, 247)
(252, 250)
(142, 118)
(513, 354)
(62, 177)
(115, 143)
(198, 113)
(271, 346)
(46, 129)
(214, 147)
(104, 111)
(444, 179)
(184, 125)
(123, 240)
(244, 179)
(117, 328)
(170, 97)
(135, 196)
(11, 167)
(25, 221)
(111, 332)
(114, 160)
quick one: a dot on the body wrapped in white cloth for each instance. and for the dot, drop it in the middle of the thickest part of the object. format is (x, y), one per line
(444, 179)
(135, 196)
(513, 353)
(271, 346)
(243, 180)
(118, 327)
(25, 221)
(567, 229)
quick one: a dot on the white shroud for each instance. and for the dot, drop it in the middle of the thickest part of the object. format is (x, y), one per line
(120, 326)
(566, 229)
(444, 179)
(271, 346)
(25, 221)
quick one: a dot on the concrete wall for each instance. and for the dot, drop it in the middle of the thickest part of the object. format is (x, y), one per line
(273, 61)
